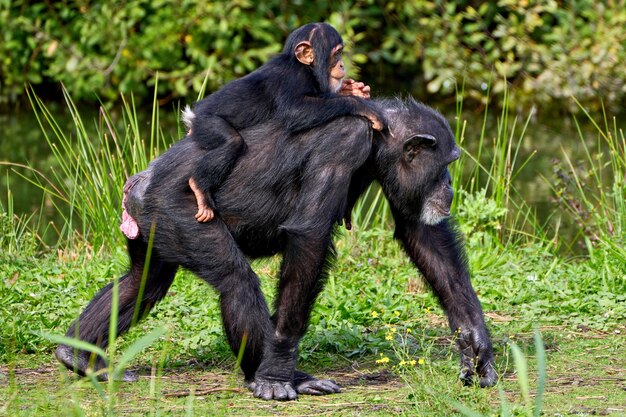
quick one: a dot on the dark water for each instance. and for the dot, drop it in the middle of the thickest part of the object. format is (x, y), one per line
(22, 142)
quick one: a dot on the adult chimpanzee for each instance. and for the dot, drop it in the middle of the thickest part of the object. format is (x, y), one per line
(286, 194)
(297, 88)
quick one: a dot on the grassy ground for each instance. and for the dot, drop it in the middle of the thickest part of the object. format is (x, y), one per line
(586, 376)
(376, 330)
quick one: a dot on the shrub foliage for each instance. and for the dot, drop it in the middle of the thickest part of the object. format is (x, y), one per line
(548, 50)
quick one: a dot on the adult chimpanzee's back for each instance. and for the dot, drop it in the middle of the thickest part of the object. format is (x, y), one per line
(286, 194)
(297, 88)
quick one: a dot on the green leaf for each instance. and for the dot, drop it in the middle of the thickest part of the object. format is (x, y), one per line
(75, 343)
(134, 349)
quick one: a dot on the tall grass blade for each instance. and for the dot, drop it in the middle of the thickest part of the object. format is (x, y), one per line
(521, 367)
(540, 354)
(505, 408)
(75, 343)
(113, 323)
(133, 350)
(144, 275)
(465, 410)
(242, 349)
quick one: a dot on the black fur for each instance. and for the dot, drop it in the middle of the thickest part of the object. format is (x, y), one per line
(285, 196)
(294, 94)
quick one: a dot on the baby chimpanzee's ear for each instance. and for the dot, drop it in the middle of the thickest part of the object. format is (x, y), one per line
(304, 53)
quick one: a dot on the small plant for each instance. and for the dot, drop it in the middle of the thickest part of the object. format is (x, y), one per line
(481, 219)
(593, 191)
(529, 407)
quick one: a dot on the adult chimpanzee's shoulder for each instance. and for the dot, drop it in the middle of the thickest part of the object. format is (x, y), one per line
(406, 116)
(350, 136)
(406, 106)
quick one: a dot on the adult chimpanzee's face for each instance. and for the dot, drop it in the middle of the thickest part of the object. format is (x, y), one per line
(437, 186)
(437, 204)
(337, 70)
(413, 159)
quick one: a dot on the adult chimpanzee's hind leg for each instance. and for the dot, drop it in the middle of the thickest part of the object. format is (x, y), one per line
(438, 254)
(322, 203)
(223, 265)
(93, 324)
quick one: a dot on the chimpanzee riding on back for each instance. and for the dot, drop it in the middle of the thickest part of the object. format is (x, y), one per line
(286, 195)
(301, 88)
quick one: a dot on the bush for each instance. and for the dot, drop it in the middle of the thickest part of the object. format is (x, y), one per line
(546, 50)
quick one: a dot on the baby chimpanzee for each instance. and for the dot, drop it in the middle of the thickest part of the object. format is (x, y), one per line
(302, 87)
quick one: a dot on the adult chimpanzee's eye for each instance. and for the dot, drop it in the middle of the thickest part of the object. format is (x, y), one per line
(424, 140)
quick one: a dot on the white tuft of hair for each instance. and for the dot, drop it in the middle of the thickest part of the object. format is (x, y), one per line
(431, 216)
(187, 116)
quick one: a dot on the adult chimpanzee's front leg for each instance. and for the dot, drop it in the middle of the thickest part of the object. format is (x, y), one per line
(302, 276)
(437, 252)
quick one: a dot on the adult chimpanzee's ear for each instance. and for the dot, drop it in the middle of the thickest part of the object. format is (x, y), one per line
(414, 144)
(304, 53)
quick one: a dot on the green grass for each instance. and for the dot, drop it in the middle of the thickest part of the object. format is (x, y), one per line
(376, 328)
(372, 290)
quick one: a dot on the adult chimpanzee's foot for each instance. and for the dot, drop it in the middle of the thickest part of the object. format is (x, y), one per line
(477, 364)
(127, 376)
(302, 383)
(306, 384)
(272, 390)
(79, 362)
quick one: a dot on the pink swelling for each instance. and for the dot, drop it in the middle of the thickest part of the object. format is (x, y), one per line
(129, 226)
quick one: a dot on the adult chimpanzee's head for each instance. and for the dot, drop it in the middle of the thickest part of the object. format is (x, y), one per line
(412, 160)
(319, 46)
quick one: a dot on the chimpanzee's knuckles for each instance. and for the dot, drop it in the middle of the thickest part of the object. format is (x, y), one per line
(477, 366)
(488, 376)
(275, 391)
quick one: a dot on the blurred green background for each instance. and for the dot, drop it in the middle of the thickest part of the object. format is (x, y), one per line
(545, 50)
(534, 57)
